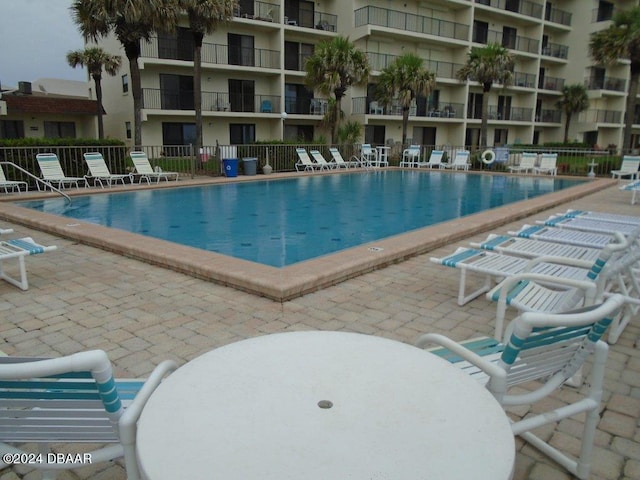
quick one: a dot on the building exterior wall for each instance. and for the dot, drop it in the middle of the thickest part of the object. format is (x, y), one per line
(548, 40)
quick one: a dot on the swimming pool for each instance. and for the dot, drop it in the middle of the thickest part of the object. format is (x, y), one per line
(283, 222)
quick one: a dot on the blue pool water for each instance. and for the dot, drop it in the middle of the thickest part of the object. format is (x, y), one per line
(281, 222)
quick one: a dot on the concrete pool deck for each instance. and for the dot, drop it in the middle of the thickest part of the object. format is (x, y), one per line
(285, 283)
(82, 297)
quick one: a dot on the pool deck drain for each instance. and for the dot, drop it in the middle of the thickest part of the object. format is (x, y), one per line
(286, 283)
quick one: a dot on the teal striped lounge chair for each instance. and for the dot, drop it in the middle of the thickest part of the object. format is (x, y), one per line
(69, 400)
(18, 249)
(99, 172)
(542, 352)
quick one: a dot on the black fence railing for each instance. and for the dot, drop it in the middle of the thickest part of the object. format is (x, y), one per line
(164, 99)
(523, 7)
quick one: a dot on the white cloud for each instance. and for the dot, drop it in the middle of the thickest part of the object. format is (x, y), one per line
(35, 36)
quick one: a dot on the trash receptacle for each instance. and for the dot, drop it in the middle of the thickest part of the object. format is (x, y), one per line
(250, 165)
(230, 167)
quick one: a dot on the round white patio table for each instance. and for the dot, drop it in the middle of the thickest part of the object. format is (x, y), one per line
(325, 406)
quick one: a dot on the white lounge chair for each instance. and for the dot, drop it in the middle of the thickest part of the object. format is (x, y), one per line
(411, 156)
(527, 163)
(529, 291)
(435, 160)
(320, 160)
(368, 155)
(340, 162)
(632, 187)
(587, 224)
(602, 216)
(561, 235)
(144, 169)
(628, 168)
(52, 173)
(19, 248)
(71, 400)
(548, 164)
(542, 353)
(12, 185)
(99, 172)
(460, 161)
(305, 162)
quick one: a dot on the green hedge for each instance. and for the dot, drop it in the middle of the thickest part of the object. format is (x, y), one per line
(59, 142)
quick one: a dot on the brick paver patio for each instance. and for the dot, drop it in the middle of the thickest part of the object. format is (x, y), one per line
(83, 298)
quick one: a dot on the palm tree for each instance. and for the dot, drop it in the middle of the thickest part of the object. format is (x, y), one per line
(621, 40)
(487, 65)
(131, 22)
(404, 80)
(574, 100)
(204, 17)
(96, 59)
(335, 66)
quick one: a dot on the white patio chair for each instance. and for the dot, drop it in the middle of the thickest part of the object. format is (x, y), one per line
(460, 161)
(527, 163)
(13, 185)
(543, 352)
(548, 164)
(52, 173)
(99, 172)
(435, 160)
(146, 171)
(19, 248)
(632, 187)
(587, 224)
(320, 160)
(368, 155)
(340, 162)
(411, 156)
(305, 162)
(628, 168)
(562, 235)
(73, 399)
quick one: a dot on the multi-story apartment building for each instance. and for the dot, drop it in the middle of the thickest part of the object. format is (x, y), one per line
(253, 73)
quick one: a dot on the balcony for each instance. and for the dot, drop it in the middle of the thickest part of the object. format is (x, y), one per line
(523, 7)
(383, 17)
(607, 83)
(266, 12)
(556, 15)
(421, 109)
(551, 83)
(601, 116)
(514, 42)
(317, 20)
(306, 106)
(379, 61)
(555, 50)
(158, 99)
(549, 116)
(521, 79)
(212, 53)
(516, 114)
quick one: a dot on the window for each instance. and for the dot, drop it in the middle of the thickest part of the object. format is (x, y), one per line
(299, 133)
(605, 11)
(374, 134)
(500, 136)
(299, 12)
(509, 35)
(242, 95)
(512, 5)
(241, 50)
(175, 134)
(11, 129)
(296, 55)
(125, 83)
(127, 128)
(474, 107)
(480, 31)
(177, 46)
(504, 107)
(176, 92)
(59, 130)
(242, 133)
(246, 8)
(297, 98)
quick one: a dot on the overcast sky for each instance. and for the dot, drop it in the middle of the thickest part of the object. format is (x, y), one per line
(35, 36)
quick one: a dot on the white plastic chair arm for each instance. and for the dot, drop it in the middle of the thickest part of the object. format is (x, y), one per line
(570, 262)
(505, 286)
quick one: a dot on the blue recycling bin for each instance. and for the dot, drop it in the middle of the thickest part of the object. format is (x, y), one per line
(230, 166)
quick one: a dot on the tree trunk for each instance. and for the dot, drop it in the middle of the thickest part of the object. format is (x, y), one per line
(335, 119)
(484, 125)
(197, 87)
(97, 79)
(132, 51)
(405, 126)
(566, 127)
(630, 107)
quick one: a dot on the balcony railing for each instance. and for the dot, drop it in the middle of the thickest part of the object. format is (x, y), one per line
(214, 53)
(514, 42)
(295, 62)
(517, 114)
(159, 99)
(367, 105)
(379, 61)
(549, 116)
(551, 83)
(521, 79)
(384, 17)
(317, 20)
(606, 83)
(267, 12)
(555, 15)
(601, 116)
(306, 106)
(555, 50)
(523, 7)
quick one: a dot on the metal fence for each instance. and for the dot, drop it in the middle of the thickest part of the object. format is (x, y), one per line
(283, 158)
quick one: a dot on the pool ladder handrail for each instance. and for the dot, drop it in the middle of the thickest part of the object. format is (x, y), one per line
(38, 180)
